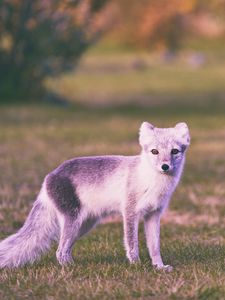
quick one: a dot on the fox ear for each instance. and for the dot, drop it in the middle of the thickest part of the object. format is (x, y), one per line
(183, 133)
(145, 133)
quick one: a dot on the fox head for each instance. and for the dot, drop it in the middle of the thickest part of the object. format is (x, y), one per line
(165, 148)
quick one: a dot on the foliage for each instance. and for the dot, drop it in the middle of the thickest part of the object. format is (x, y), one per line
(165, 24)
(44, 37)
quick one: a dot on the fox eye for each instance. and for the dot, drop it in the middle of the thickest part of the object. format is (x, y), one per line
(155, 151)
(175, 151)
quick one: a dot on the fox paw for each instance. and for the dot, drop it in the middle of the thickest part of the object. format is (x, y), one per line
(64, 258)
(135, 260)
(166, 268)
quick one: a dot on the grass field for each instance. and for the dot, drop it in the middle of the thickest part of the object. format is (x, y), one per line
(118, 93)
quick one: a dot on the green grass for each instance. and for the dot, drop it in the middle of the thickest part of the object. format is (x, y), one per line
(125, 78)
(34, 139)
(101, 271)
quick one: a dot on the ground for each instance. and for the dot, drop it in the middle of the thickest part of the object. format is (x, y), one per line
(110, 98)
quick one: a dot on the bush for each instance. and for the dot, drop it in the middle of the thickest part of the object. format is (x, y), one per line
(44, 37)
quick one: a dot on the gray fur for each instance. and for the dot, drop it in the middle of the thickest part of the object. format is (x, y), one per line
(63, 193)
(83, 169)
(87, 225)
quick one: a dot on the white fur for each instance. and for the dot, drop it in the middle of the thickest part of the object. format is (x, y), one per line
(33, 238)
(105, 197)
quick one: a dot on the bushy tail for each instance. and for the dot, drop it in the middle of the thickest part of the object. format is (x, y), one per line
(31, 240)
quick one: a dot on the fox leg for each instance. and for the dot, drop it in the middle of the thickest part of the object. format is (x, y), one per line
(69, 233)
(152, 232)
(87, 225)
(130, 224)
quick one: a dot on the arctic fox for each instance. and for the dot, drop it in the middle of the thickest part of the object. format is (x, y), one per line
(76, 195)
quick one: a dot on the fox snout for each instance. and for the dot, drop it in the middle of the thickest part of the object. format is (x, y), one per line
(165, 167)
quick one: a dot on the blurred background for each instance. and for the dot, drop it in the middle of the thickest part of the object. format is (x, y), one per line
(79, 77)
(104, 52)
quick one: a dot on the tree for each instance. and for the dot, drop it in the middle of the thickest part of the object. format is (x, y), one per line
(44, 37)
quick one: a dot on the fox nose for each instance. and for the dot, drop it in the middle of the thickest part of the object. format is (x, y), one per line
(165, 167)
